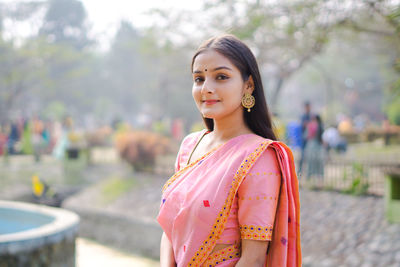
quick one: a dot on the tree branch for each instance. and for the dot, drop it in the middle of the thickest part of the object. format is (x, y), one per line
(359, 28)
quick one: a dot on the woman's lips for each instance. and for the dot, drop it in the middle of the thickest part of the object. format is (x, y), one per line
(210, 102)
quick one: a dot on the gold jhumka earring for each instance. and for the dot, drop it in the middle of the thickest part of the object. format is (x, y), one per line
(248, 101)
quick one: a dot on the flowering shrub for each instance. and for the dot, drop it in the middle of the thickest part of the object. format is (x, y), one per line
(141, 148)
(99, 137)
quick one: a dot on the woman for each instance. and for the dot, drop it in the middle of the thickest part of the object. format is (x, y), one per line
(314, 152)
(233, 200)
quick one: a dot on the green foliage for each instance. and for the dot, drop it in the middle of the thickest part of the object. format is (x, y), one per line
(359, 184)
(19, 70)
(27, 146)
(147, 70)
(286, 35)
(160, 127)
(393, 111)
(64, 22)
(55, 110)
(115, 187)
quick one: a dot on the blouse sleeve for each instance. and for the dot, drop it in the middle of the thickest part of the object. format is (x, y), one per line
(258, 197)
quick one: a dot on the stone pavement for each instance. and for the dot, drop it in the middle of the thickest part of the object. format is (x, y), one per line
(89, 253)
(341, 230)
(337, 229)
(344, 230)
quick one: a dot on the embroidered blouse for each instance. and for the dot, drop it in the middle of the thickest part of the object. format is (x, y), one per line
(258, 192)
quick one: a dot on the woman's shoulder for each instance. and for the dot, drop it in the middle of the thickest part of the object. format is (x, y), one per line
(190, 140)
(192, 137)
(271, 143)
(258, 139)
(273, 146)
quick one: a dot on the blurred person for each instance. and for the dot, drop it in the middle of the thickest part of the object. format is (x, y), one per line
(3, 141)
(305, 119)
(333, 140)
(313, 152)
(38, 141)
(13, 138)
(46, 136)
(229, 197)
(26, 146)
(56, 132)
(20, 125)
(293, 134)
(177, 129)
(63, 143)
(345, 125)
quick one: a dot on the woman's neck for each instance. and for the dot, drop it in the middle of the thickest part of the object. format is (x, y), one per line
(229, 127)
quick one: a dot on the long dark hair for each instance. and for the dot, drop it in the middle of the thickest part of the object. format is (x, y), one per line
(320, 128)
(259, 119)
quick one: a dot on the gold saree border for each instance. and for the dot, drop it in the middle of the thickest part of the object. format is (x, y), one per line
(222, 255)
(205, 249)
(256, 232)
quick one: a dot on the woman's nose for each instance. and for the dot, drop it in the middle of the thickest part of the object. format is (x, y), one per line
(207, 87)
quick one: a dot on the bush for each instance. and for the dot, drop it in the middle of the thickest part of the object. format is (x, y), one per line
(393, 111)
(99, 137)
(140, 148)
(113, 188)
(359, 184)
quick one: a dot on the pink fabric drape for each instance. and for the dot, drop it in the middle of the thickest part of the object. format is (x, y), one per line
(197, 200)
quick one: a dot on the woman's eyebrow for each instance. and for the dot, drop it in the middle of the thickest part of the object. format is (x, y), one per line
(221, 68)
(217, 68)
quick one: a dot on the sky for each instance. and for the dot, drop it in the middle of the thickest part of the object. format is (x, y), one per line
(104, 16)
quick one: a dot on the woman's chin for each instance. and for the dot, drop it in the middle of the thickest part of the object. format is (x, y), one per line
(210, 115)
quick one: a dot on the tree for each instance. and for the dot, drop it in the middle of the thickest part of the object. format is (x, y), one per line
(284, 35)
(381, 18)
(19, 12)
(125, 70)
(65, 23)
(35, 73)
(20, 73)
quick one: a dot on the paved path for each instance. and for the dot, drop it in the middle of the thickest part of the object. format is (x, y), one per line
(337, 229)
(91, 254)
(343, 230)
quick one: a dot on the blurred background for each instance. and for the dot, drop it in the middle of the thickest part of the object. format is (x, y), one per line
(95, 97)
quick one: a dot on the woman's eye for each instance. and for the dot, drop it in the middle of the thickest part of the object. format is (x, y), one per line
(222, 77)
(198, 79)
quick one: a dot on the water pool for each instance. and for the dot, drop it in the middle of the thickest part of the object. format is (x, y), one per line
(36, 235)
(13, 222)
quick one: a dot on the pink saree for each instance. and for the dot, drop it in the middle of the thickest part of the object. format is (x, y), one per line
(198, 198)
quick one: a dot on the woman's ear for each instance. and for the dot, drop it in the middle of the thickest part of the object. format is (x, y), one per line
(250, 85)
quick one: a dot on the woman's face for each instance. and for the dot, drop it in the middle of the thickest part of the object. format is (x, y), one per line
(218, 86)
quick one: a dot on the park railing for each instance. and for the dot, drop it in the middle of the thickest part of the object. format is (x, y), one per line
(353, 176)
